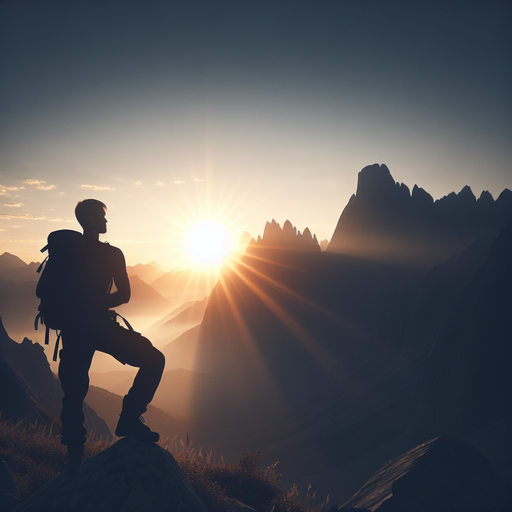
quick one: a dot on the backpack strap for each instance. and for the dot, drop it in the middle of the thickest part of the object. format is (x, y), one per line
(115, 314)
(43, 262)
(39, 318)
(56, 349)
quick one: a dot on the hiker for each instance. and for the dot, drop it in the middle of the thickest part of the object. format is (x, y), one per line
(91, 326)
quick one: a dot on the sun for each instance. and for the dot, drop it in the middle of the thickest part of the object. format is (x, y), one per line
(208, 243)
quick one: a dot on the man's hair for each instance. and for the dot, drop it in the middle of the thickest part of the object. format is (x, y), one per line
(88, 207)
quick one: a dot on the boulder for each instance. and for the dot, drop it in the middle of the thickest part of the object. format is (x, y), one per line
(443, 474)
(129, 476)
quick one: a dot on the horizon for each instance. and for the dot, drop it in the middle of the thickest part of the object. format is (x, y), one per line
(198, 267)
(177, 114)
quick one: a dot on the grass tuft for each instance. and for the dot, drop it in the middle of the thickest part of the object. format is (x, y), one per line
(35, 455)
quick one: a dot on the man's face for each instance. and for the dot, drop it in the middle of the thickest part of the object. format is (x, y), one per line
(99, 222)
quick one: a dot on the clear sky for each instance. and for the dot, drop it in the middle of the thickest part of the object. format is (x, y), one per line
(238, 112)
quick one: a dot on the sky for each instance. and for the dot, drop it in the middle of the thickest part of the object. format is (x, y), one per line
(237, 113)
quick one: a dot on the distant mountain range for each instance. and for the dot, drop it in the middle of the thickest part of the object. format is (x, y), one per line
(385, 221)
(155, 293)
(336, 361)
(359, 353)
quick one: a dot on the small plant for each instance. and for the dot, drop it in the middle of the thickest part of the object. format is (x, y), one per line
(220, 485)
(35, 455)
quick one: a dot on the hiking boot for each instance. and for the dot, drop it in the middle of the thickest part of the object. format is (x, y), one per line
(75, 459)
(133, 426)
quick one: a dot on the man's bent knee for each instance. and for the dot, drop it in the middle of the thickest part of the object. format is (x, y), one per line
(159, 359)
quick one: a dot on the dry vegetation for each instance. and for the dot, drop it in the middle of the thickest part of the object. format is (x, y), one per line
(35, 456)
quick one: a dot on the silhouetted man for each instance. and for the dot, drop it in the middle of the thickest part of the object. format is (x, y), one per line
(93, 327)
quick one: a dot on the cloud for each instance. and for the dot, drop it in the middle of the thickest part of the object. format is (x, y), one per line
(96, 187)
(159, 184)
(138, 182)
(22, 216)
(198, 180)
(178, 182)
(13, 205)
(39, 184)
(29, 216)
(4, 188)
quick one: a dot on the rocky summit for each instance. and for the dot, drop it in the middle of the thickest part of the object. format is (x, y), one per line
(129, 476)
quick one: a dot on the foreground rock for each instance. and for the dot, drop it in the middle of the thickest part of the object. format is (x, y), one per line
(444, 474)
(128, 476)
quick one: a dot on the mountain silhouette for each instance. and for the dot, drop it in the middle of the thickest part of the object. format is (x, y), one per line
(177, 322)
(31, 391)
(467, 382)
(146, 304)
(384, 220)
(184, 285)
(18, 306)
(335, 352)
(15, 269)
(148, 273)
(169, 425)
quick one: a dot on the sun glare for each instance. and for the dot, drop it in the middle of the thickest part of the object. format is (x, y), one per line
(208, 243)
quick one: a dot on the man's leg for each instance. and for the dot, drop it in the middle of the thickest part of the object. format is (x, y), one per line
(74, 379)
(130, 347)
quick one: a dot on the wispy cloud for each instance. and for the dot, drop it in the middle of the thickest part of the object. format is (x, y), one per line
(22, 216)
(3, 187)
(159, 184)
(96, 187)
(138, 182)
(198, 180)
(4, 191)
(39, 184)
(178, 182)
(13, 205)
(29, 216)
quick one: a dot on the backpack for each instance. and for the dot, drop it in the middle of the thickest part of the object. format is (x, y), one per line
(59, 281)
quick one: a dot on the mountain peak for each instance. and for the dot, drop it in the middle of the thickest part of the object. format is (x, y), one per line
(287, 237)
(384, 221)
(372, 179)
(9, 261)
(467, 194)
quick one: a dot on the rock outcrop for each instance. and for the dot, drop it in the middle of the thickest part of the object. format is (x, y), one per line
(443, 474)
(128, 476)
(287, 238)
(383, 220)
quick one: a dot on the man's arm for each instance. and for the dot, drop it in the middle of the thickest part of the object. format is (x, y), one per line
(122, 295)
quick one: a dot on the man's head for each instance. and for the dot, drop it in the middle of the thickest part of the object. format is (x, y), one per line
(90, 213)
